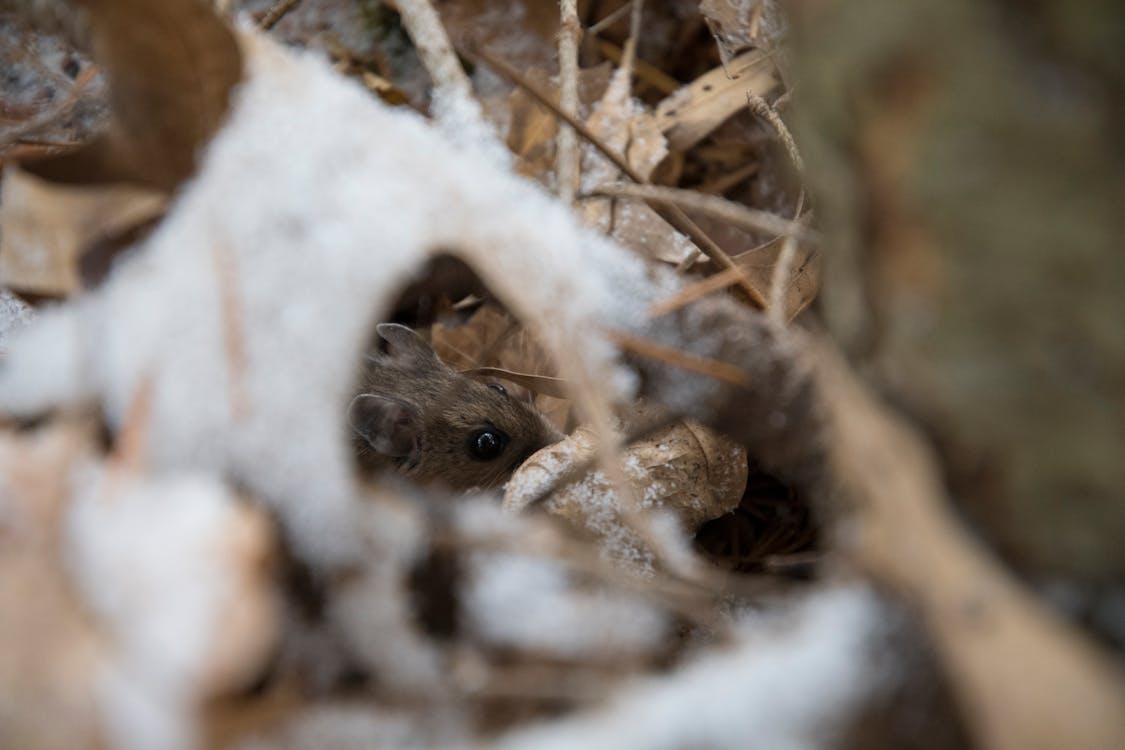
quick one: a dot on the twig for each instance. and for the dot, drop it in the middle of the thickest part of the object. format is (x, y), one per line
(732, 213)
(759, 107)
(673, 215)
(630, 52)
(782, 271)
(645, 71)
(611, 19)
(424, 26)
(276, 13)
(567, 143)
(455, 109)
(693, 292)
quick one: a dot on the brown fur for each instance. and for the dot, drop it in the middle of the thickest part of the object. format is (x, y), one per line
(448, 408)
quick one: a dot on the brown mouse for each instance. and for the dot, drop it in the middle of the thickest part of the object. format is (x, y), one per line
(417, 415)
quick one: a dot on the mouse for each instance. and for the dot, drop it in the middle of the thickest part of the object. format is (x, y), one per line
(417, 416)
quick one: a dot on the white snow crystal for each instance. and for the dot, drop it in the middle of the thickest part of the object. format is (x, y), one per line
(780, 688)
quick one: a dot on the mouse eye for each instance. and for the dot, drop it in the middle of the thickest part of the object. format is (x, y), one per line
(487, 444)
(498, 387)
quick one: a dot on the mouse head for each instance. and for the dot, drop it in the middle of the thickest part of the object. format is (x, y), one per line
(428, 421)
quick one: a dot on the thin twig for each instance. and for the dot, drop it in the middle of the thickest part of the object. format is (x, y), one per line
(276, 13)
(431, 42)
(732, 213)
(693, 292)
(644, 71)
(673, 215)
(782, 271)
(759, 106)
(570, 32)
(629, 54)
(611, 19)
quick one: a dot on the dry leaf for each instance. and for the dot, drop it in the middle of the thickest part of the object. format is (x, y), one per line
(46, 227)
(492, 339)
(740, 24)
(685, 469)
(473, 343)
(532, 128)
(171, 67)
(804, 281)
(689, 115)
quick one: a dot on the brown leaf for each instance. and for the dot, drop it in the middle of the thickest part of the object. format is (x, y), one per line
(532, 128)
(491, 339)
(687, 116)
(46, 228)
(803, 283)
(171, 67)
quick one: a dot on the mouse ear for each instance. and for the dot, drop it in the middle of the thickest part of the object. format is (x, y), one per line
(389, 426)
(403, 343)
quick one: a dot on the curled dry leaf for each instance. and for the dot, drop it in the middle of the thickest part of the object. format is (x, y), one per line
(685, 469)
(46, 227)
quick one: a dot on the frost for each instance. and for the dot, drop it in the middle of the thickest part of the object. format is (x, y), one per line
(784, 685)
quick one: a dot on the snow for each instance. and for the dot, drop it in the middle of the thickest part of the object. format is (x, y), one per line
(313, 204)
(784, 686)
(14, 314)
(147, 559)
(531, 604)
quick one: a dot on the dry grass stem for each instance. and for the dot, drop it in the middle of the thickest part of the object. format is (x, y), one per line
(693, 292)
(629, 54)
(612, 18)
(762, 109)
(276, 13)
(425, 28)
(645, 71)
(717, 207)
(780, 280)
(722, 183)
(567, 157)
